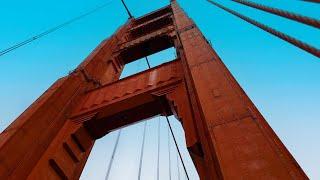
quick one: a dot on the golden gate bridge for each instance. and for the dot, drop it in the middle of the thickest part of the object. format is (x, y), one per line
(226, 136)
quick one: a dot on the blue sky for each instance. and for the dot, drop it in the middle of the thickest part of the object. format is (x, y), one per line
(282, 80)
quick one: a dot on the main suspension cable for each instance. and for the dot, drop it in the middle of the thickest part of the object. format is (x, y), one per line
(51, 30)
(142, 149)
(113, 154)
(176, 144)
(312, 1)
(293, 16)
(304, 46)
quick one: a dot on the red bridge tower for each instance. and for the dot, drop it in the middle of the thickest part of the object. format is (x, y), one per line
(226, 135)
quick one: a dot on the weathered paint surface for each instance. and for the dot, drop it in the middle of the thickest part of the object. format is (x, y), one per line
(226, 135)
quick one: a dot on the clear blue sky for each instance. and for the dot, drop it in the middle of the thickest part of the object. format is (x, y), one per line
(282, 80)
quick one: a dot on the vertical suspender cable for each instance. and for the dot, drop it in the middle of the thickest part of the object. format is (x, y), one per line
(148, 62)
(113, 154)
(178, 167)
(293, 16)
(158, 158)
(304, 46)
(169, 153)
(175, 142)
(125, 6)
(142, 149)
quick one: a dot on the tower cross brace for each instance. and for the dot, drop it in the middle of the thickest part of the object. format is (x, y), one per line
(226, 135)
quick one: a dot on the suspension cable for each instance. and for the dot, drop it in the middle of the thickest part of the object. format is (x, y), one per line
(178, 167)
(176, 144)
(51, 30)
(293, 16)
(142, 149)
(304, 46)
(158, 158)
(148, 62)
(113, 154)
(312, 1)
(125, 6)
(169, 153)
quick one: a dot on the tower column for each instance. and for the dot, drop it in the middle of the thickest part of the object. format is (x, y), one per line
(235, 139)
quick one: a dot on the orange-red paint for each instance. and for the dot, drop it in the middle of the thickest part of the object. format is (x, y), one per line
(226, 135)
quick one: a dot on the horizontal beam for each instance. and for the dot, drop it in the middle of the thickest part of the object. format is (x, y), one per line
(102, 126)
(129, 92)
(146, 45)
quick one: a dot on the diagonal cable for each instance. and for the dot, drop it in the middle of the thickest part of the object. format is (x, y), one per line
(312, 1)
(51, 30)
(302, 45)
(176, 144)
(290, 15)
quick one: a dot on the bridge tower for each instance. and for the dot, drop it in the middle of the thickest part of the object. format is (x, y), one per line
(226, 135)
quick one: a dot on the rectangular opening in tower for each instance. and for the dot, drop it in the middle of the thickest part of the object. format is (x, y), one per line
(154, 60)
(129, 149)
